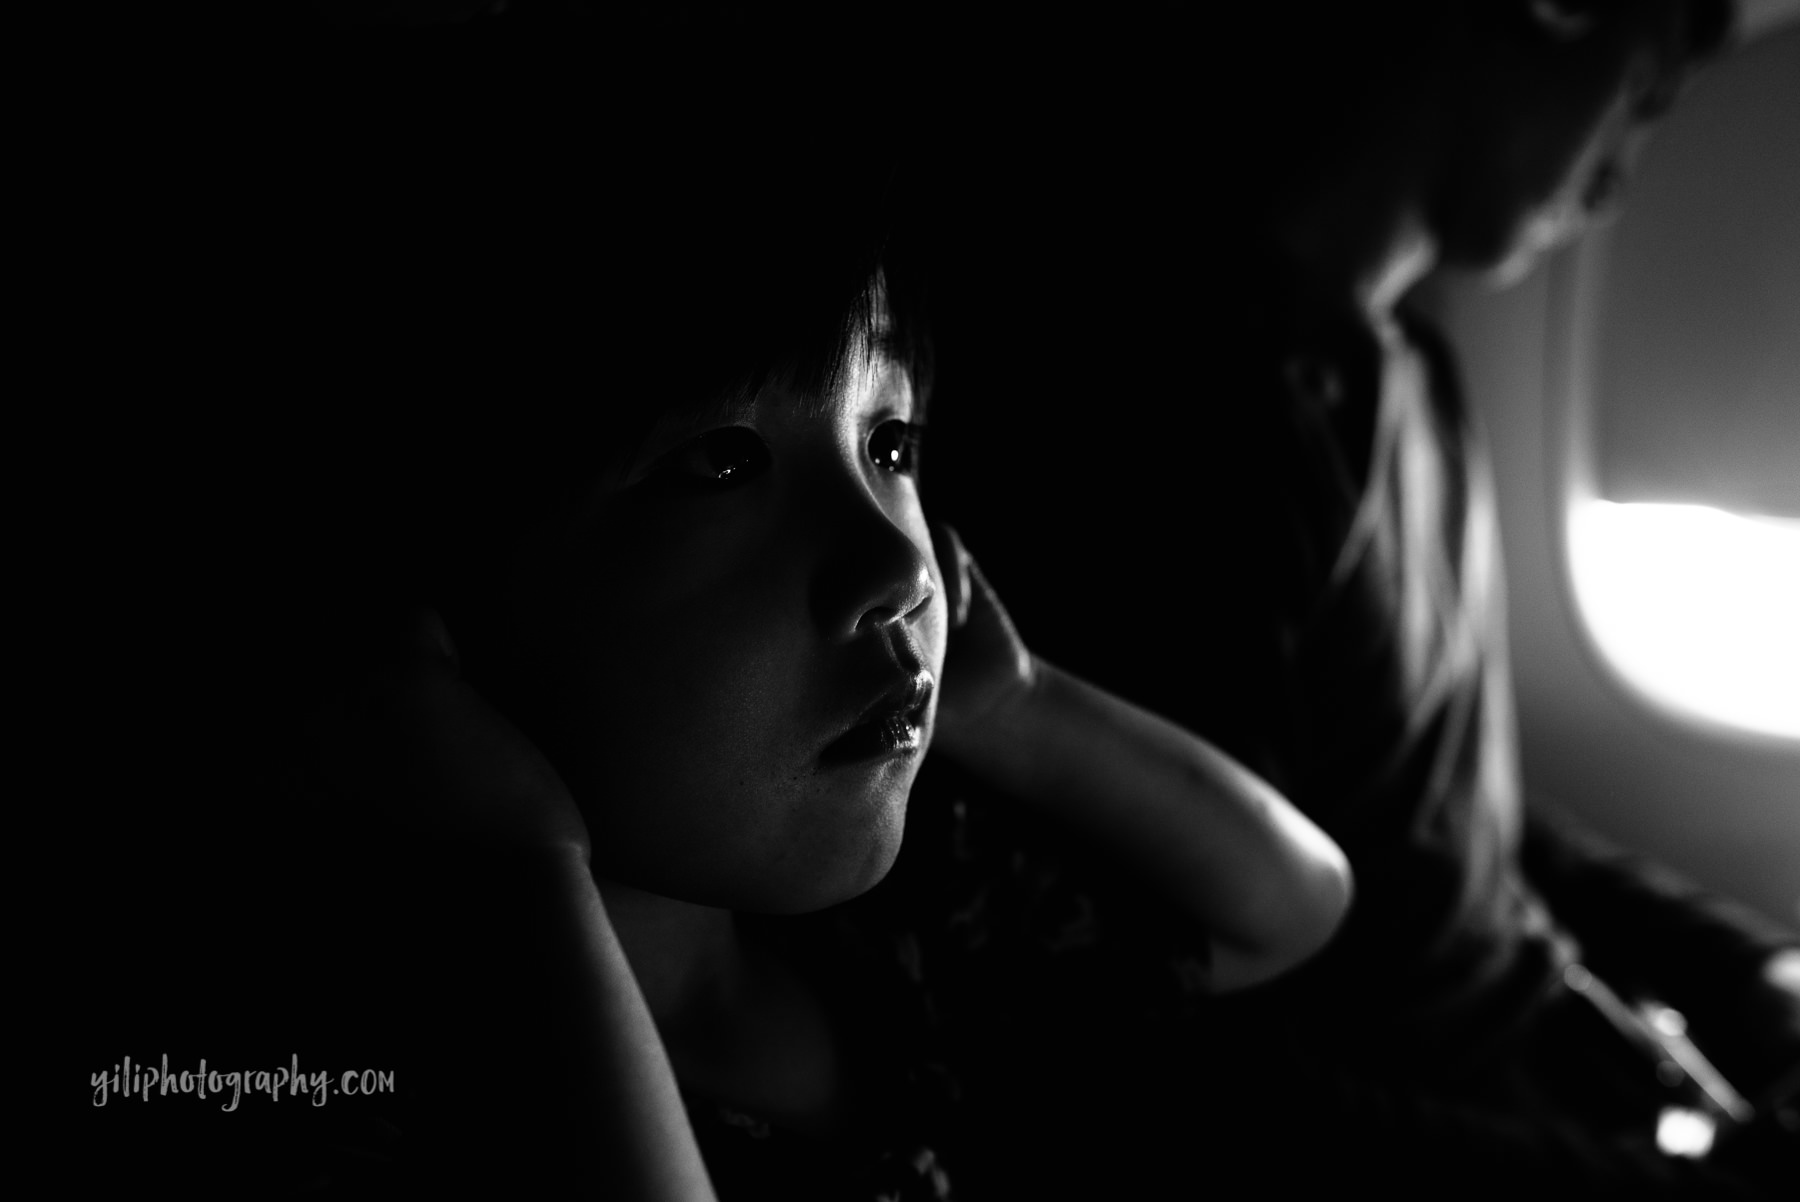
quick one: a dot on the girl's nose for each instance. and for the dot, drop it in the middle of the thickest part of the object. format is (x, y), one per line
(873, 574)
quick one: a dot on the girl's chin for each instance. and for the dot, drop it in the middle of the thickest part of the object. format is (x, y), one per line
(835, 839)
(857, 860)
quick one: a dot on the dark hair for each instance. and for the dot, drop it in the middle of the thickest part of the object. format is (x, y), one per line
(331, 316)
(461, 273)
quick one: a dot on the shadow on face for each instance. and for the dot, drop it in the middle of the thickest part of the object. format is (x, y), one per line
(730, 649)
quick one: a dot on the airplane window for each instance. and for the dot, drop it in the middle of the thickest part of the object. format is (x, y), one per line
(1684, 546)
(1695, 605)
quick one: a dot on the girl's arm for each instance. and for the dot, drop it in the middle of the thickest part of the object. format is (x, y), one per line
(1268, 885)
(616, 1085)
(440, 764)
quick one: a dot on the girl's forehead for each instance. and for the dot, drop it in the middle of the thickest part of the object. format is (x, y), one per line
(872, 384)
(870, 377)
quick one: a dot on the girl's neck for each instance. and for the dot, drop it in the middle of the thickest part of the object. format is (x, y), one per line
(687, 958)
(740, 1026)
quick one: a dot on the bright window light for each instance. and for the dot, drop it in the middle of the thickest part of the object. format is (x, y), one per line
(1684, 1132)
(1695, 606)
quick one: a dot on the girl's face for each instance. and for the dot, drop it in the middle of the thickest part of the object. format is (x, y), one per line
(732, 650)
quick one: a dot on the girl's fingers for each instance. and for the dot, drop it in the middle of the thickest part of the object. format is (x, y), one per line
(431, 757)
(988, 664)
(974, 598)
(978, 594)
(985, 617)
(956, 564)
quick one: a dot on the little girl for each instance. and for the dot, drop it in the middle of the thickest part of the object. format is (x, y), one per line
(641, 425)
(735, 650)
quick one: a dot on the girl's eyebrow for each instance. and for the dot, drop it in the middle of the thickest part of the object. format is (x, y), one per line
(675, 424)
(896, 385)
(678, 422)
(885, 341)
(898, 377)
(715, 410)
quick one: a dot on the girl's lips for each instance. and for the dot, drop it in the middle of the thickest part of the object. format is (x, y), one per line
(892, 734)
(889, 727)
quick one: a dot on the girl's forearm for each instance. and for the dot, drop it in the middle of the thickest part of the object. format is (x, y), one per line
(1215, 839)
(634, 1139)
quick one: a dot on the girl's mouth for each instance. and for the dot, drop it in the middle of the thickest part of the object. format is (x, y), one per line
(890, 727)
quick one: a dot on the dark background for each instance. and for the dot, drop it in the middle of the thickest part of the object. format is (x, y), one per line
(180, 161)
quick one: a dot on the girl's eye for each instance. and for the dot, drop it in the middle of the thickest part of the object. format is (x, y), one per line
(894, 446)
(719, 459)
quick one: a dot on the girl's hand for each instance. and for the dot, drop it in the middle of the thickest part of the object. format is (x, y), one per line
(1213, 838)
(989, 670)
(429, 757)
(418, 747)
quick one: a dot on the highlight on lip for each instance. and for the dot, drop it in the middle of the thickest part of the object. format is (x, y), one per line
(890, 727)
